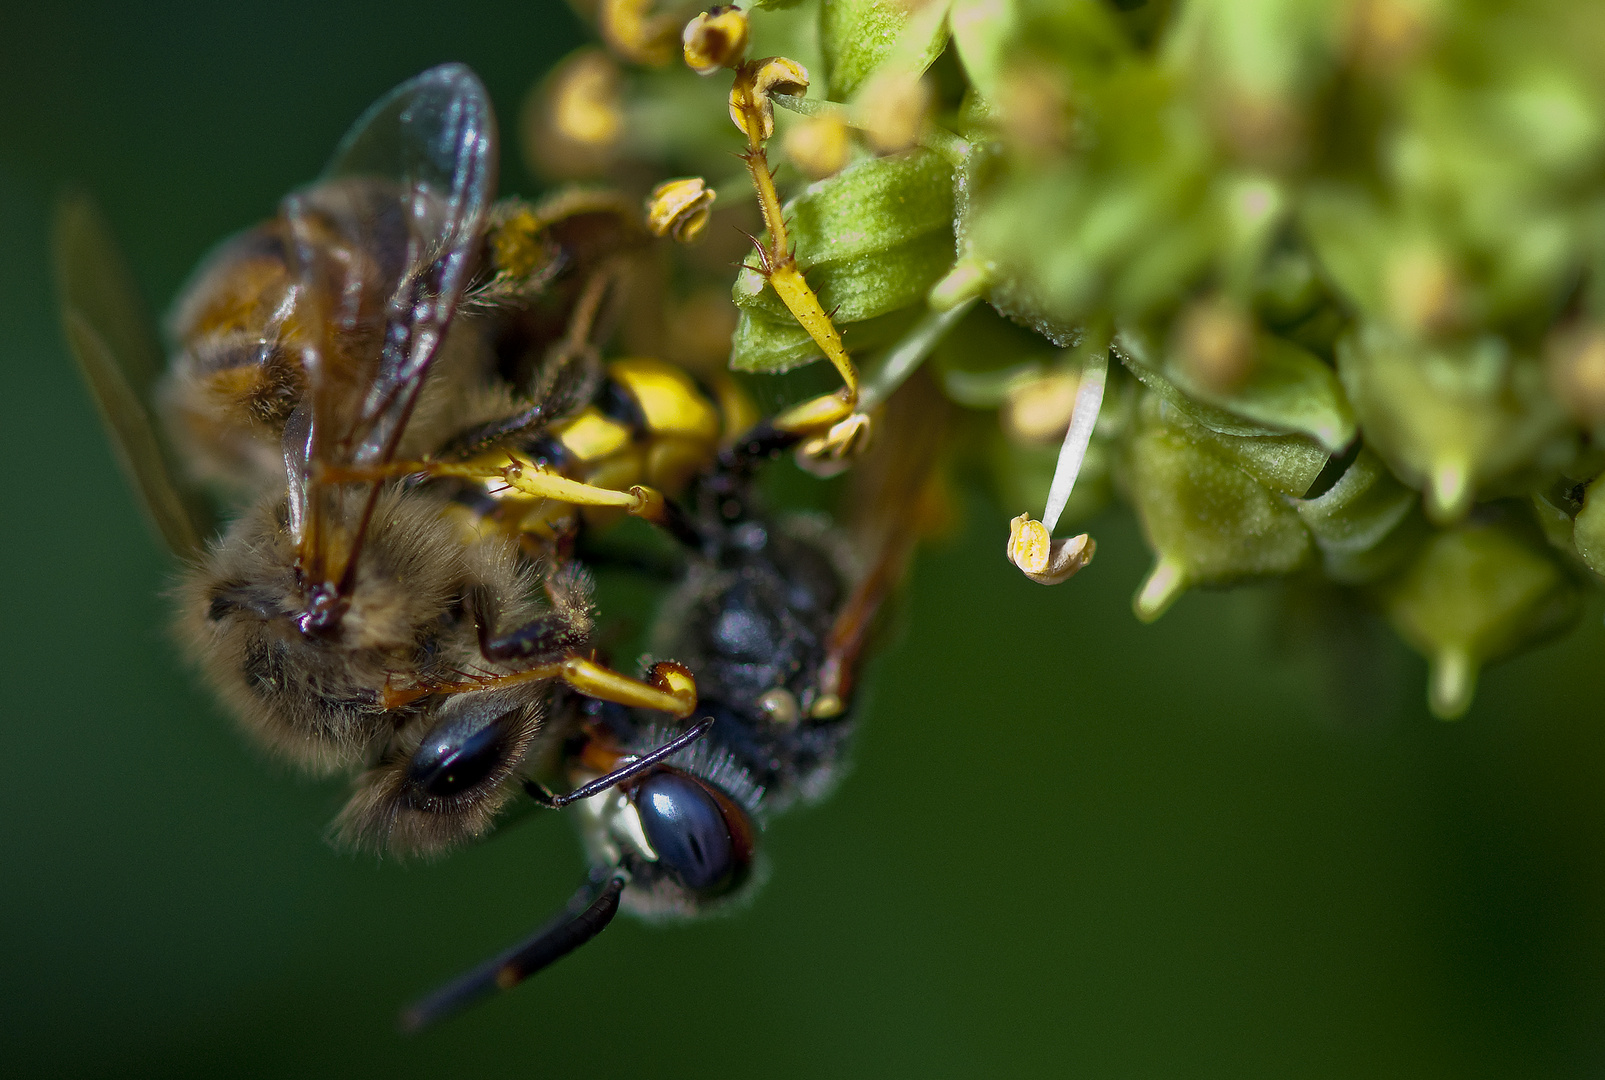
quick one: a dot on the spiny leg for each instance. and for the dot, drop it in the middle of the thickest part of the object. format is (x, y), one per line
(669, 687)
(832, 424)
(515, 472)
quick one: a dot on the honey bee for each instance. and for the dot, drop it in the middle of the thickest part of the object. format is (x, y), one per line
(348, 619)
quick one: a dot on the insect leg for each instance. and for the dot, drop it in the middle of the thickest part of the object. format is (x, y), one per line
(586, 916)
(523, 476)
(848, 635)
(669, 687)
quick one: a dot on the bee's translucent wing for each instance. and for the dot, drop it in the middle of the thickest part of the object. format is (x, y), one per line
(111, 338)
(391, 234)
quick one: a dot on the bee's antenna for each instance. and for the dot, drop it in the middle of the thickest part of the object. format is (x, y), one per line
(586, 915)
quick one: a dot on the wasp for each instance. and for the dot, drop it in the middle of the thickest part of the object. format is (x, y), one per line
(773, 615)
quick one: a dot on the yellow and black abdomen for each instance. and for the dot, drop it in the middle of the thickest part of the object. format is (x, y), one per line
(649, 423)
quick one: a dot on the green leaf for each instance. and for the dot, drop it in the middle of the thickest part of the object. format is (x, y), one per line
(871, 206)
(1138, 356)
(858, 36)
(982, 30)
(864, 287)
(871, 240)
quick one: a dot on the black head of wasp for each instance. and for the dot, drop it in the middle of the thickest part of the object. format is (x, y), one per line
(401, 382)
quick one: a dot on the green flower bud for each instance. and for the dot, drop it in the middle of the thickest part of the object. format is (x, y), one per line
(1588, 529)
(1287, 464)
(1472, 595)
(1287, 390)
(1209, 521)
(1450, 419)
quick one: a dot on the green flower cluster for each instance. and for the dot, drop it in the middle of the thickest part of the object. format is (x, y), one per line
(1347, 258)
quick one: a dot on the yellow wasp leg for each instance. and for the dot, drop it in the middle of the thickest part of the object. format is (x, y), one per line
(539, 483)
(669, 687)
(526, 478)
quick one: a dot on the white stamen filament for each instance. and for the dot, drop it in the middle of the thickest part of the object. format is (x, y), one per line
(1073, 451)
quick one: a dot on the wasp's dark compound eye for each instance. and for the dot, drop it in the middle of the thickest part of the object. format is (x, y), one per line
(688, 830)
(461, 752)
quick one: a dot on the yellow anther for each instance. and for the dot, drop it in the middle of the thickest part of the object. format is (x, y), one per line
(1424, 294)
(632, 31)
(815, 414)
(1215, 344)
(1575, 358)
(1038, 408)
(587, 106)
(891, 110)
(829, 454)
(780, 707)
(818, 145)
(827, 707)
(680, 208)
(715, 39)
(751, 109)
(574, 121)
(1043, 559)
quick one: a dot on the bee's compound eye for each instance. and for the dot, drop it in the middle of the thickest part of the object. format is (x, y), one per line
(687, 829)
(461, 752)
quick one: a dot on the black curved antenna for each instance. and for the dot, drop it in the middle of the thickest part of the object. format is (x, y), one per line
(586, 916)
(634, 767)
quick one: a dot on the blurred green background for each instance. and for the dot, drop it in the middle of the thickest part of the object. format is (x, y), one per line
(1069, 844)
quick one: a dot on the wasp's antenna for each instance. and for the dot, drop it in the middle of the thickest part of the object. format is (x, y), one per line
(540, 794)
(586, 915)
